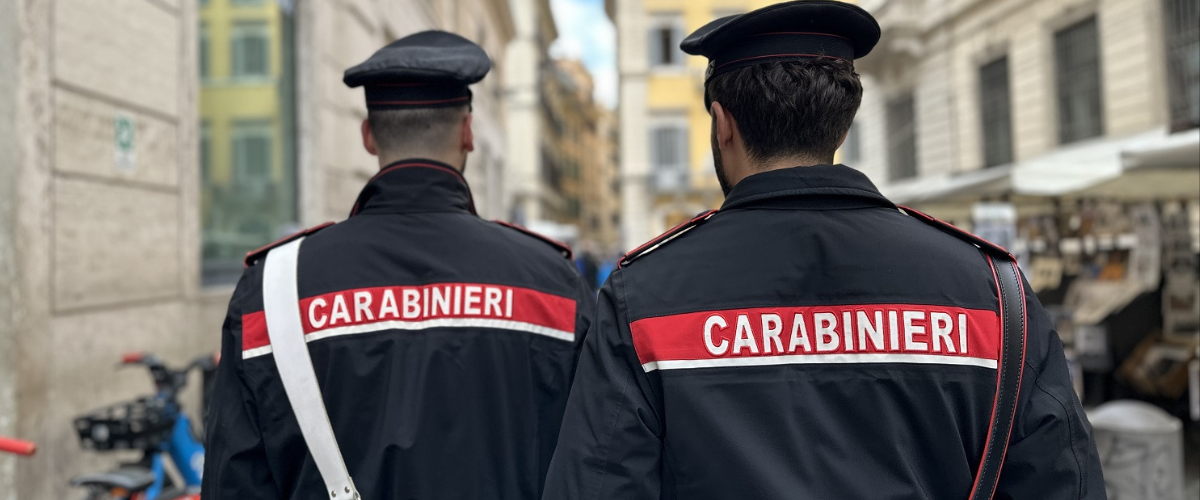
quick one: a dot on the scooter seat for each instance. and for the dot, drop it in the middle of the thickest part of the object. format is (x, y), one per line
(130, 479)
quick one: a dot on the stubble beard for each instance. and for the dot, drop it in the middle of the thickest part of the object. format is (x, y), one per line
(719, 167)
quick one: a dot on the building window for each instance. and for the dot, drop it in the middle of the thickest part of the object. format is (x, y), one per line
(1183, 62)
(666, 32)
(250, 48)
(248, 194)
(252, 144)
(852, 146)
(204, 55)
(205, 152)
(996, 113)
(1077, 68)
(902, 137)
(669, 155)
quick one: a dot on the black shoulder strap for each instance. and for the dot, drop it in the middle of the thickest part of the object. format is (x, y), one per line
(665, 238)
(562, 248)
(256, 255)
(1012, 353)
(1008, 375)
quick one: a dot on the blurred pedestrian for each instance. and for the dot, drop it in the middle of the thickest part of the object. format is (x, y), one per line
(810, 339)
(415, 348)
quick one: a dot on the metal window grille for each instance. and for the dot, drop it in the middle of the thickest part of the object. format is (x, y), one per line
(1182, 30)
(902, 137)
(1077, 68)
(668, 146)
(996, 113)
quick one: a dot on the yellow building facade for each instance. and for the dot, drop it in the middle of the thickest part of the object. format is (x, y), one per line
(680, 89)
(666, 154)
(247, 123)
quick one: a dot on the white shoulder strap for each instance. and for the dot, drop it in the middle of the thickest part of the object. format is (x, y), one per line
(281, 304)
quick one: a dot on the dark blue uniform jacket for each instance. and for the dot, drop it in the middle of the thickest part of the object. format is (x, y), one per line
(444, 345)
(811, 341)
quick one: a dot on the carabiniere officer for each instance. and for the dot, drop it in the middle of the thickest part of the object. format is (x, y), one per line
(811, 339)
(443, 345)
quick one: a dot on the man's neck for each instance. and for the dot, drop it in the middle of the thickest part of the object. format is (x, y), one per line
(789, 162)
(455, 161)
(759, 167)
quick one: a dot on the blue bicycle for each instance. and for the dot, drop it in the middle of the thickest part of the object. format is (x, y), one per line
(158, 427)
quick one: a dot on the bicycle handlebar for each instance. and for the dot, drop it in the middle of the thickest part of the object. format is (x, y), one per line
(16, 446)
(165, 379)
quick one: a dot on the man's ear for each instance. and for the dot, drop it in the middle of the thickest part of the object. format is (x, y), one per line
(468, 135)
(369, 138)
(724, 125)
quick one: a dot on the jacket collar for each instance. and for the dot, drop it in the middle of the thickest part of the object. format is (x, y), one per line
(415, 185)
(817, 187)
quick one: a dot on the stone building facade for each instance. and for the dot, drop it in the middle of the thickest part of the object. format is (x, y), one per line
(529, 180)
(106, 159)
(666, 157)
(581, 156)
(971, 99)
(601, 219)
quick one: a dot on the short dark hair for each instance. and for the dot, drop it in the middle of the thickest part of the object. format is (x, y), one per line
(792, 108)
(420, 129)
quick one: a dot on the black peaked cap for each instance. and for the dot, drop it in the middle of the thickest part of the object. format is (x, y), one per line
(426, 69)
(800, 29)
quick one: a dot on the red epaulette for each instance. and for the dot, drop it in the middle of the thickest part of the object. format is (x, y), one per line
(665, 238)
(562, 248)
(253, 255)
(953, 230)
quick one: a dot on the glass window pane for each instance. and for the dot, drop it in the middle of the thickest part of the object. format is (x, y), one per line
(1182, 23)
(902, 137)
(665, 34)
(203, 56)
(668, 154)
(251, 50)
(996, 113)
(247, 144)
(664, 46)
(852, 147)
(1077, 68)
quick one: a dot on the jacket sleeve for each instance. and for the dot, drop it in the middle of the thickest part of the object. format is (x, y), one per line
(585, 313)
(610, 445)
(235, 464)
(1051, 451)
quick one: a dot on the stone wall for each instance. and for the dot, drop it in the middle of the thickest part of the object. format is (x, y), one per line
(337, 34)
(955, 38)
(99, 257)
(105, 251)
(9, 158)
